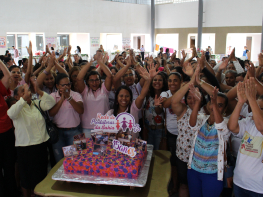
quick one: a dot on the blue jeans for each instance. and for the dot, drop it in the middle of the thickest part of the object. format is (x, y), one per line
(154, 137)
(203, 185)
(65, 139)
(240, 192)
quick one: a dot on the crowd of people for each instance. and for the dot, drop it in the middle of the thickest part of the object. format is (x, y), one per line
(209, 113)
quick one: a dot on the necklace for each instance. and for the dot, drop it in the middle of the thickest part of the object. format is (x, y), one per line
(209, 127)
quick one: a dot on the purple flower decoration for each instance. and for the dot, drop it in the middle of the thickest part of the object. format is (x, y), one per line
(134, 171)
(101, 167)
(116, 169)
(125, 170)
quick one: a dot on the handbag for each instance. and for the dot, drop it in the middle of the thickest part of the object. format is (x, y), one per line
(163, 143)
(52, 129)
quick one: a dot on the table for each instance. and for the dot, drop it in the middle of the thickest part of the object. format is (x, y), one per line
(157, 183)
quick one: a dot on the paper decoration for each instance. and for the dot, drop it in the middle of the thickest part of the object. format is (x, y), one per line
(51, 42)
(157, 47)
(126, 43)
(111, 123)
(94, 41)
(70, 150)
(2, 42)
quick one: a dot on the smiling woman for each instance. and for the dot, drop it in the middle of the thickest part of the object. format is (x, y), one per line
(95, 94)
(66, 113)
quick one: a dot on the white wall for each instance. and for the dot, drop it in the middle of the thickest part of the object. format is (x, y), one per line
(239, 41)
(217, 13)
(85, 16)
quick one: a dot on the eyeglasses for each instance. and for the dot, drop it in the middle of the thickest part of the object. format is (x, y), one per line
(64, 85)
(129, 75)
(92, 80)
(14, 72)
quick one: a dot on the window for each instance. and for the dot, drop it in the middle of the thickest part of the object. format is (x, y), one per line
(39, 42)
(63, 41)
(22, 43)
(10, 41)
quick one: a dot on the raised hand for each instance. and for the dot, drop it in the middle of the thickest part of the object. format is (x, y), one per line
(29, 49)
(144, 74)
(232, 56)
(184, 54)
(251, 70)
(260, 59)
(158, 101)
(223, 65)
(250, 89)
(188, 69)
(65, 51)
(27, 93)
(213, 96)
(69, 50)
(47, 50)
(153, 71)
(195, 92)
(241, 95)
(33, 81)
(197, 74)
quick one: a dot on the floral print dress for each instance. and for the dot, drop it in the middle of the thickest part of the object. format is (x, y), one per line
(151, 117)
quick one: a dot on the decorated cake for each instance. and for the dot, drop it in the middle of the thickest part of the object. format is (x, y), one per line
(114, 164)
(110, 152)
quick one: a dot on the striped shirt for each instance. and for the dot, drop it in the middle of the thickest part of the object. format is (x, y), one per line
(206, 150)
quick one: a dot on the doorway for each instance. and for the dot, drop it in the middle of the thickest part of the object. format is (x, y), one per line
(139, 42)
(192, 41)
(249, 46)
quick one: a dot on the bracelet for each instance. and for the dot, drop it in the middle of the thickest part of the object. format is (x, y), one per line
(200, 84)
(45, 72)
(69, 98)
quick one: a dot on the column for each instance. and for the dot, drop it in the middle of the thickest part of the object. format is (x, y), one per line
(200, 25)
(152, 24)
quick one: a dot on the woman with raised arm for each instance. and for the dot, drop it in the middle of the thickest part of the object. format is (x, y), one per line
(31, 135)
(66, 113)
(185, 134)
(154, 114)
(174, 84)
(16, 74)
(46, 79)
(206, 160)
(248, 172)
(7, 139)
(95, 94)
(124, 99)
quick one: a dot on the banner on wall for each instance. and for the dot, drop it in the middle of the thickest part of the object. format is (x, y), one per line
(2, 42)
(126, 43)
(51, 42)
(95, 42)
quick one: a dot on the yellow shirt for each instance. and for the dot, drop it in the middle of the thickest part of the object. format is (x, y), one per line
(30, 126)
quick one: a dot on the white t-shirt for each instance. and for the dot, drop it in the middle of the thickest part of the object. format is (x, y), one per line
(248, 172)
(171, 118)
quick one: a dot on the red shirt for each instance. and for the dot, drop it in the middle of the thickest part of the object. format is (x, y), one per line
(5, 121)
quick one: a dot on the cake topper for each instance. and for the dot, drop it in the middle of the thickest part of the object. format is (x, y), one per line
(110, 123)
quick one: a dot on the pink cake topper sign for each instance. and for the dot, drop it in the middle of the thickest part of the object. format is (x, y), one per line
(124, 121)
(116, 145)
